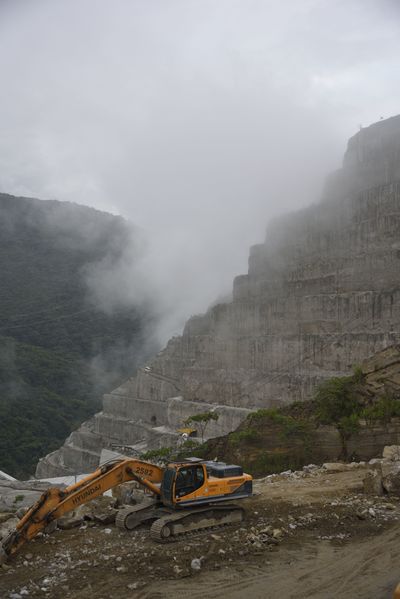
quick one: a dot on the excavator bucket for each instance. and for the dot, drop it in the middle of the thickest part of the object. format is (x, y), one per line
(55, 502)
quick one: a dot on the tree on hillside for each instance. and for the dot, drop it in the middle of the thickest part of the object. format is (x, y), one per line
(337, 403)
(201, 421)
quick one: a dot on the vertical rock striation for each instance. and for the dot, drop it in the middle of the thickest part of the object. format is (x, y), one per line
(322, 293)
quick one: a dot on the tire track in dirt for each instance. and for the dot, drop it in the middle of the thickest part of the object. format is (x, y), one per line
(368, 569)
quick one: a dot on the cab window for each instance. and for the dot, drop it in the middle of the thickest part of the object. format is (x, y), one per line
(188, 480)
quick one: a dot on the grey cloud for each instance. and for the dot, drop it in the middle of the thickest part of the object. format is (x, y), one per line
(197, 120)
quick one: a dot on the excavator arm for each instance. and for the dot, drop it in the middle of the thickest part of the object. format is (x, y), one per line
(55, 502)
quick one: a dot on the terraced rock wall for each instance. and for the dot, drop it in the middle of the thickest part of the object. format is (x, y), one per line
(321, 294)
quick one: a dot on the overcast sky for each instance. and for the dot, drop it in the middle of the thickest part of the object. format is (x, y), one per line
(198, 120)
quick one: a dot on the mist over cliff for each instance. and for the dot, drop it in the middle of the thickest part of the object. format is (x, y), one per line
(320, 295)
(59, 348)
(199, 121)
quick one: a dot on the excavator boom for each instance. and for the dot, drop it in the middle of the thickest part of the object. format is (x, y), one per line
(55, 502)
(188, 496)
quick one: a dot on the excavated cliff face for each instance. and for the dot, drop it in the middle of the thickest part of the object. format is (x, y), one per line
(321, 294)
(265, 444)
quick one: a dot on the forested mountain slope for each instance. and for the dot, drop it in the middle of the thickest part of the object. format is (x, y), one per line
(58, 350)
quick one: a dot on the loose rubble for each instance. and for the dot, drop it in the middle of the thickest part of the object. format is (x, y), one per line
(318, 504)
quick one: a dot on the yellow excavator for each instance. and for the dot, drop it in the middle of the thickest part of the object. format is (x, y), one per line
(185, 496)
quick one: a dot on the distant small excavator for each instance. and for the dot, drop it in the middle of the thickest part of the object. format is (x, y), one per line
(185, 496)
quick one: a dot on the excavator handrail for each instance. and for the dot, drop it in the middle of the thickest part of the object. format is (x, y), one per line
(56, 502)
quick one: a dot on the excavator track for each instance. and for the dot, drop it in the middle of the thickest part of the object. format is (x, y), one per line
(169, 527)
(130, 517)
(167, 512)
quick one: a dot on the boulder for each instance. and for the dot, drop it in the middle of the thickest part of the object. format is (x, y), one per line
(67, 522)
(6, 516)
(7, 527)
(373, 483)
(391, 452)
(391, 477)
(388, 468)
(129, 493)
(335, 467)
(100, 509)
(356, 465)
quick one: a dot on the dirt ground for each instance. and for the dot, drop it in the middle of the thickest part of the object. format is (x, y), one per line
(317, 536)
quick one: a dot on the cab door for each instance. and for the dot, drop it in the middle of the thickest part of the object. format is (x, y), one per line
(168, 486)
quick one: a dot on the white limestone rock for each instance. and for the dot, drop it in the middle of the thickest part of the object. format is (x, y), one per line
(391, 452)
(335, 467)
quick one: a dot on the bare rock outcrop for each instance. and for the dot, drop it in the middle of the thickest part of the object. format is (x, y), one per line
(321, 294)
(384, 475)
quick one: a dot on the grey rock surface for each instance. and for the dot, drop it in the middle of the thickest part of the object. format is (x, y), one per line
(17, 495)
(7, 526)
(373, 483)
(322, 293)
(391, 452)
(391, 477)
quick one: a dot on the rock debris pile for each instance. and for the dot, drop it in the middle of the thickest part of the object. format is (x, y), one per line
(87, 553)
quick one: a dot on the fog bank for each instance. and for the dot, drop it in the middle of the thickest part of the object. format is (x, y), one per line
(197, 120)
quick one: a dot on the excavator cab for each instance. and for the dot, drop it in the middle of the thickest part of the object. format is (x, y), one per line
(180, 481)
(189, 479)
(195, 482)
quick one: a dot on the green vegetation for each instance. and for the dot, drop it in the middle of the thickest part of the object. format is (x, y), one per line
(167, 454)
(201, 421)
(341, 402)
(58, 351)
(270, 463)
(250, 443)
(273, 440)
(382, 411)
(44, 395)
(358, 375)
(192, 449)
(246, 435)
(291, 426)
(338, 403)
(190, 444)
(335, 400)
(162, 454)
